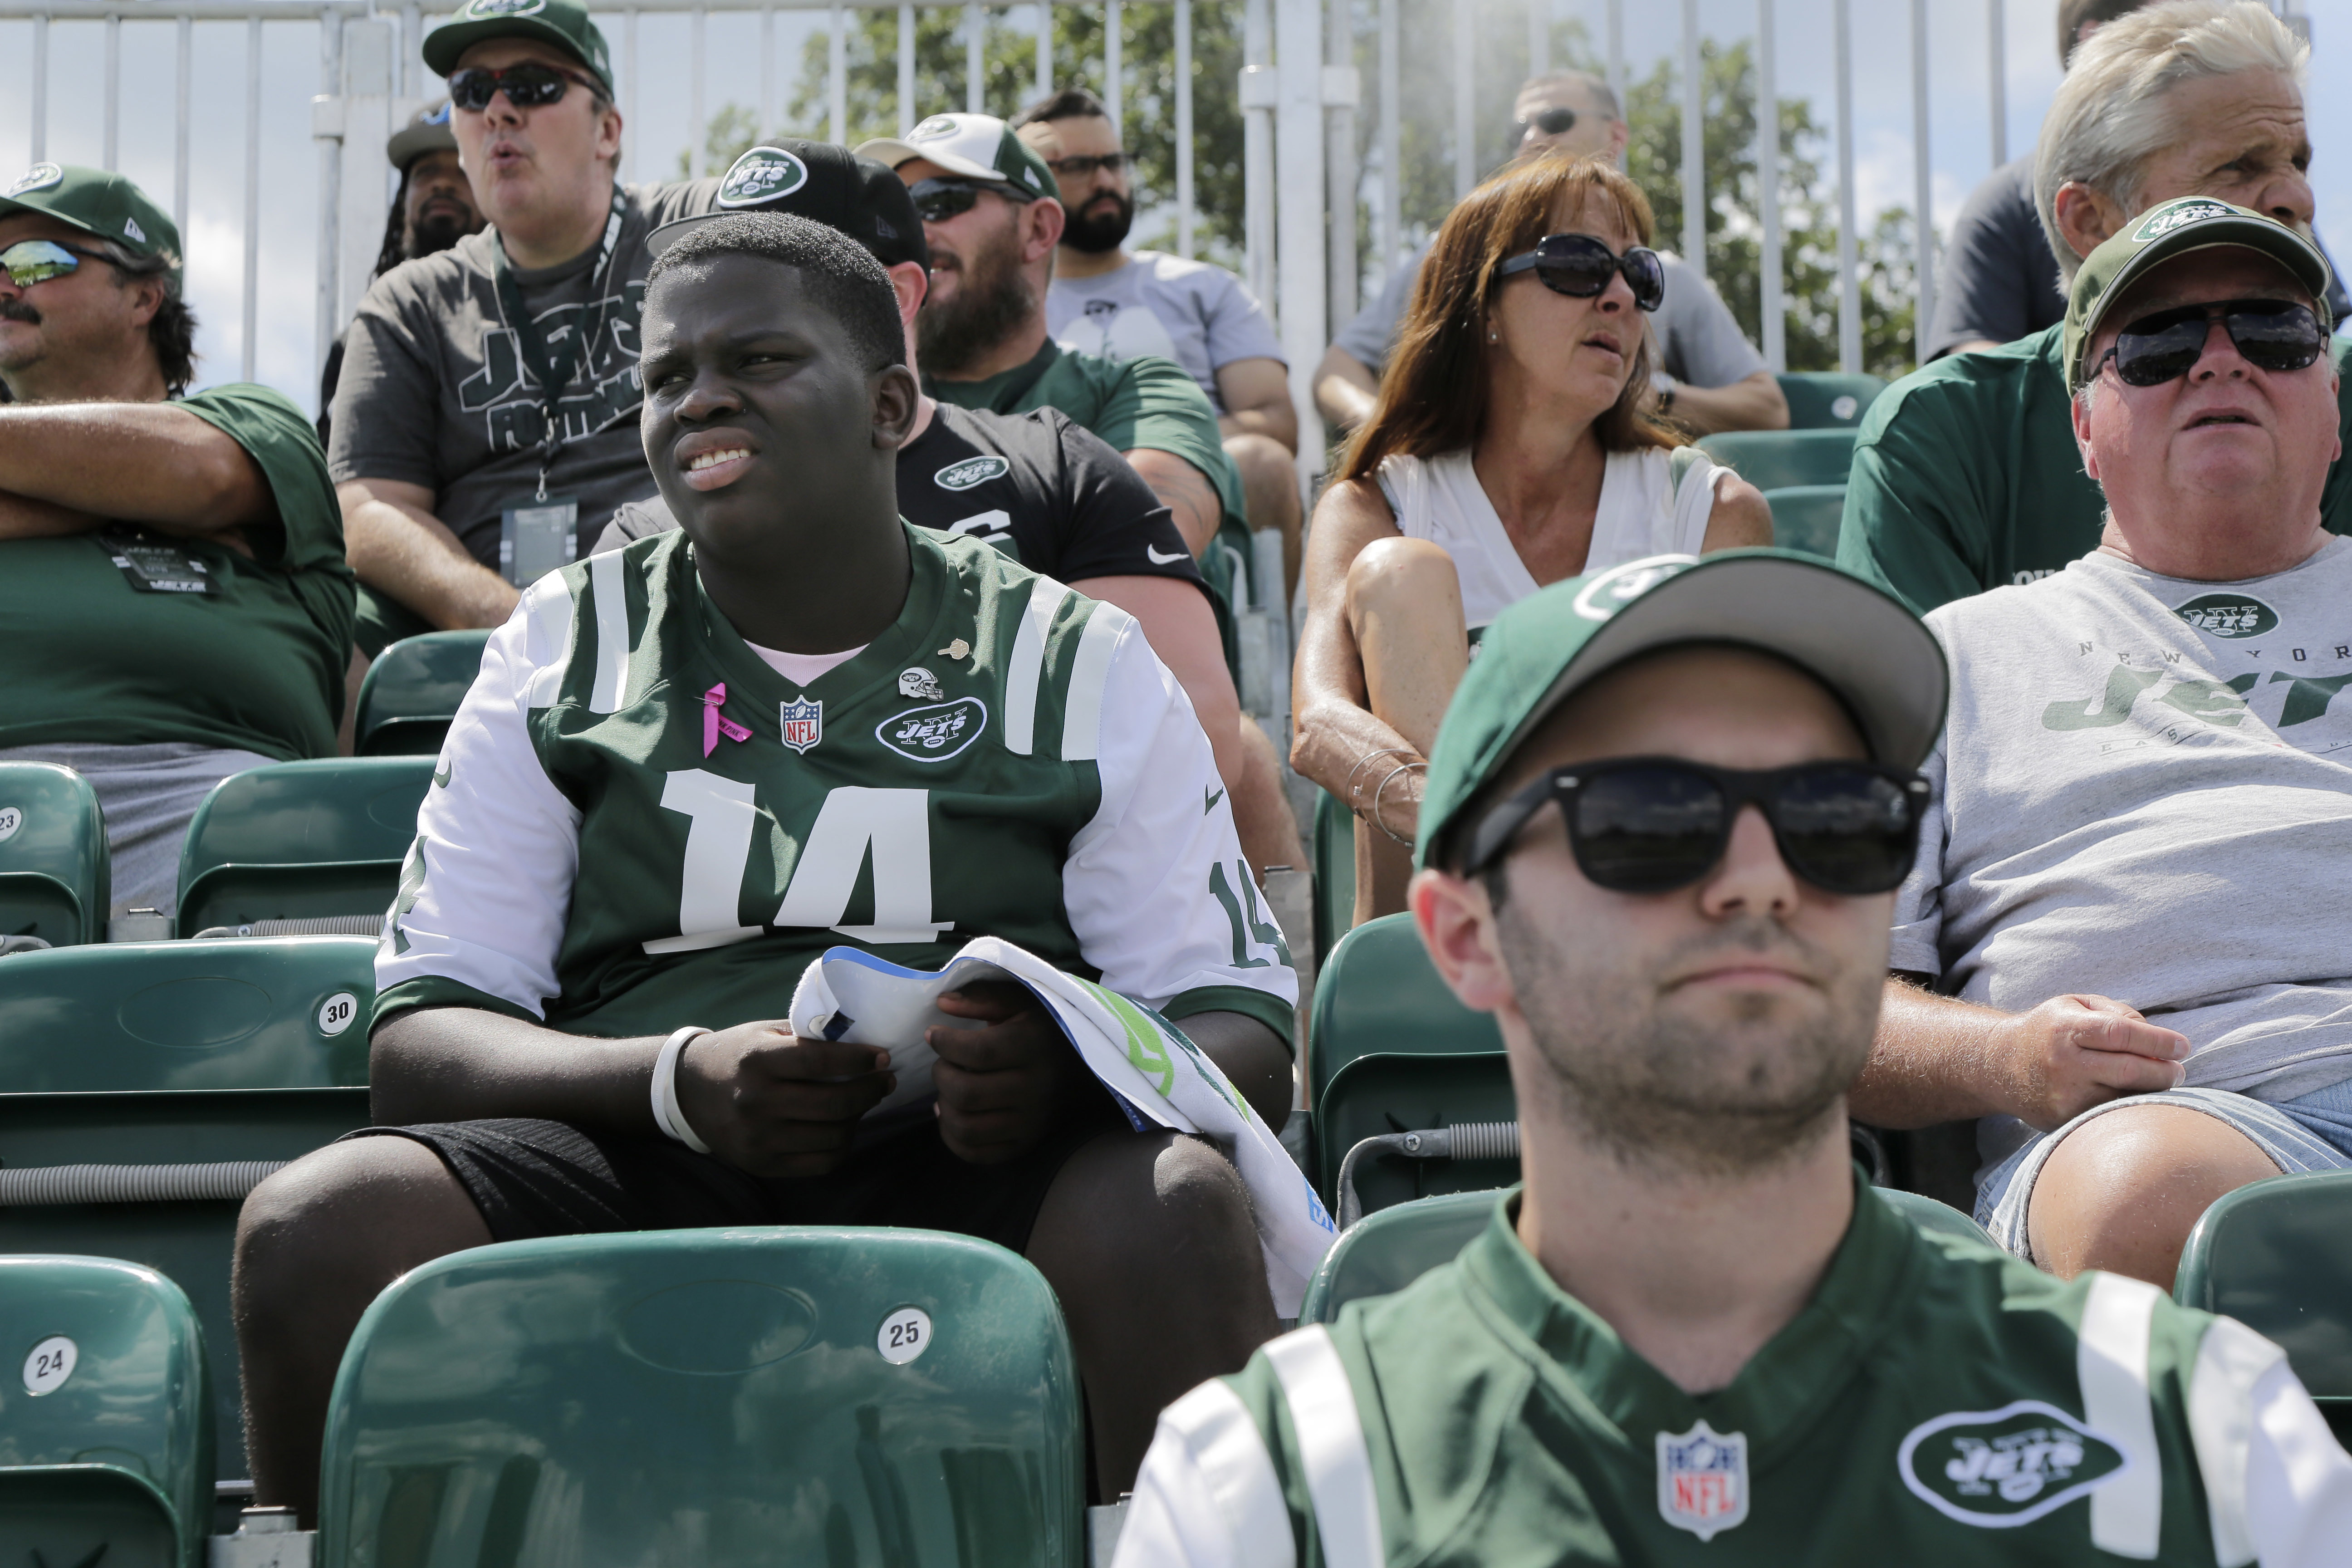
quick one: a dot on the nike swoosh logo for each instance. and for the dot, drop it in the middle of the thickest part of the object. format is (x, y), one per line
(441, 777)
(1208, 800)
(1159, 559)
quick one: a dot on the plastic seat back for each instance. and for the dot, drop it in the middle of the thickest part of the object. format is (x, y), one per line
(841, 1397)
(225, 1057)
(1387, 1251)
(299, 840)
(55, 880)
(1778, 459)
(1806, 517)
(106, 1427)
(1828, 400)
(1391, 1050)
(412, 692)
(2273, 1255)
(1334, 872)
(1934, 1217)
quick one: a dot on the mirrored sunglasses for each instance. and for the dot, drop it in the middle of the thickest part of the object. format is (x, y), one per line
(31, 261)
(2272, 334)
(1579, 266)
(529, 85)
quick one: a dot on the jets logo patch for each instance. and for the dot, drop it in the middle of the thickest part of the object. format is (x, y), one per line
(972, 471)
(39, 177)
(930, 130)
(1614, 589)
(505, 7)
(2174, 215)
(1998, 1469)
(761, 176)
(935, 733)
(1703, 1480)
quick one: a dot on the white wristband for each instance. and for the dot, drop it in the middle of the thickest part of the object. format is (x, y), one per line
(666, 1114)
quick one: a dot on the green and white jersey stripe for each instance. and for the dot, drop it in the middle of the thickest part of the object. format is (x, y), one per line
(1937, 1402)
(1008, 759)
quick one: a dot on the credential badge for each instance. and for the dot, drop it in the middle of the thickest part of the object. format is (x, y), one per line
(803, 723)
(919, 684)
(1703, 1480)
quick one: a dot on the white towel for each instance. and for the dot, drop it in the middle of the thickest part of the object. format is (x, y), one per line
(1159, 1078)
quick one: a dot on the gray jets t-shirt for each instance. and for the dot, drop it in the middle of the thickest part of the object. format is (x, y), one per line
(434, 391)
(2144, 792)
(1694, 328)
(1199, 315)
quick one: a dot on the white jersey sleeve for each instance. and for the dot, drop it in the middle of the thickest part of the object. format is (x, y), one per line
(487, 889)
(1207, 1496)
(1158, 892)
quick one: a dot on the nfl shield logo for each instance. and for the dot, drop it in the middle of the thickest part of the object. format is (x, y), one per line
(803, 724)
(1703, 1480)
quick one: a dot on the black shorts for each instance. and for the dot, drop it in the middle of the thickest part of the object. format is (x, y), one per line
(532, 1178)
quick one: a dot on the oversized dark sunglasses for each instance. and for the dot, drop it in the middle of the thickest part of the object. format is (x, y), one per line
(1545, 122)
(2272, 335)
(1649, 825)
(529, 85)
(1580, 266)
(936, 201)
(1079, 165)
(31, 261)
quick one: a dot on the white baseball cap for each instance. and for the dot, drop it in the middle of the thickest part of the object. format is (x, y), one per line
(975, 146)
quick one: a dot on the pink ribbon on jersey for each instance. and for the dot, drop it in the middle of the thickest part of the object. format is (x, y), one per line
(715, 723)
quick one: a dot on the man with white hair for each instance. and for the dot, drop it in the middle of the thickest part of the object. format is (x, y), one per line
(1965, 475)
(2129, 894)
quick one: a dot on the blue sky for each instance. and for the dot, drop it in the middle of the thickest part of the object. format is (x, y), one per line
(286, 355)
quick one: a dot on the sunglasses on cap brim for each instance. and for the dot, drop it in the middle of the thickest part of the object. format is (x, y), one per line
(1652, 825)
(2270, 334)
(1580, 266)
(529, 85)
(31, 261)
(937, 200)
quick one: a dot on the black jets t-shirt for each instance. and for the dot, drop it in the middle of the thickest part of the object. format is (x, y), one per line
(1051, 495)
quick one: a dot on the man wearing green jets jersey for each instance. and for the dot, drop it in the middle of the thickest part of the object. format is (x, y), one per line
(1666, 817)
(689, 767)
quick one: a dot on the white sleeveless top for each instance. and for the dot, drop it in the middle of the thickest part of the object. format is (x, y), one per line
(1641, 515)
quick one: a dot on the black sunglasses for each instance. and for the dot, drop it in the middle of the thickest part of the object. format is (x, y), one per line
(936, 201)
(1547, 121)
(1580, 266)
(31, 261)
(1078, 166)
(529, 85)
(2272, 335)
(1649, 825)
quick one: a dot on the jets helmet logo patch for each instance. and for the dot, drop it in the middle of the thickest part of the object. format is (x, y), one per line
(1997, 1468)
(505, 7)
(39, 177)
(802, 722)
(2173, 215)
(761, 176)
(934, 734)
(930, 130)
(1703, 1480)
(1614, 589)
(972, 471)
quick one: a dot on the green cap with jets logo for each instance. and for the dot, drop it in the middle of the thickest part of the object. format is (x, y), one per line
(105, 207)
(2172, 229)
(564, 23)
(1858, 640)
(975, 146)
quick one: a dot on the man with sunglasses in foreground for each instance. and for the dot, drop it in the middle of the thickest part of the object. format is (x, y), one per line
(484, 429)
(1666, 817)
(172, 580)
(2131, 894)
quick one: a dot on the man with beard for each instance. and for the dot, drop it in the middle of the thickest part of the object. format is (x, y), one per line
(992, 222)
(1105, 301)
(1665, 820)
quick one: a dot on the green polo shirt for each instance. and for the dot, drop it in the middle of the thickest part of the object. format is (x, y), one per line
(1965, 477)
(253, 662)
(1938, 1401)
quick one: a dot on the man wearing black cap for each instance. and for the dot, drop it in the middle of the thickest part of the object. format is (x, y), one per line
(172, 576)
(1041, 489)
(484, 429)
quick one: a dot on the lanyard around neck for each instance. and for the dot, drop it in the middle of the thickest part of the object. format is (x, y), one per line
(554, 373)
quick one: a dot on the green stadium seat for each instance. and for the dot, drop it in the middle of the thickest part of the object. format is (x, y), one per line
(1806, 517)
(2274, 1256)
(106, 1430)
(300, 841)
(1334, 851)
(130, 1072)
(1826, 400)
(412, 691)
(843, 1396)
(1391, 1050)
(1934, 1217)
(1778, 459)
(54, 874)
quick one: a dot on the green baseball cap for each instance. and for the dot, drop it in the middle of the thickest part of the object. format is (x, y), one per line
(564, 23)
(103, 205)
(976, 146)
(1855, 639)
(2171, 229)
